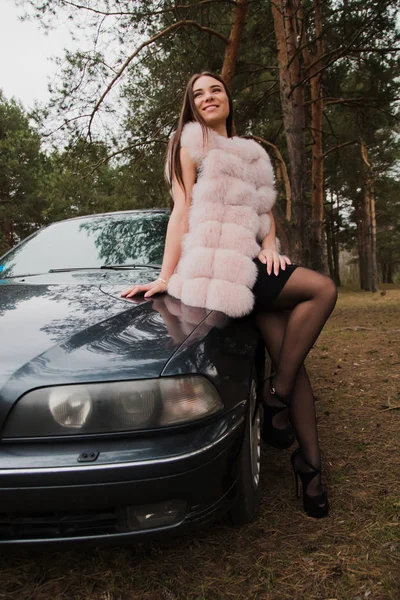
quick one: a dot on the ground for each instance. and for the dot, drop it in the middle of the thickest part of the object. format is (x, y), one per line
(352, 555)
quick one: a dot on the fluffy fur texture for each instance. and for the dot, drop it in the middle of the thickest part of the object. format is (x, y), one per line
(228, 217)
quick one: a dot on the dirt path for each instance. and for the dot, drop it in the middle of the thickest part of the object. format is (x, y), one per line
(352, 555)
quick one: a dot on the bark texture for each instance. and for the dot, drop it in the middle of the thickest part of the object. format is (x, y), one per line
(235, 37)
(332, 237)
(287, 32)
(370, 274)
(361, 244)
(313, 61)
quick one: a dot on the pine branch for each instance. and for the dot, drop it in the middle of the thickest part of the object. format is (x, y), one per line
(340, 146)
(64, 124)
(346, 100)
(286, 180)
(109, 157)
(153, 39)
(374, 49)
(338, 52)
(149, 14)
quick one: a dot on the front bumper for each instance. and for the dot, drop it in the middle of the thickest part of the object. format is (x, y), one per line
(66, 501)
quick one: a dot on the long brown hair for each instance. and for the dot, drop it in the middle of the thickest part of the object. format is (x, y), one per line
(173, 167)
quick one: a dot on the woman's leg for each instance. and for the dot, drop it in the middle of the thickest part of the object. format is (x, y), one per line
(272, 326)
(311, 298)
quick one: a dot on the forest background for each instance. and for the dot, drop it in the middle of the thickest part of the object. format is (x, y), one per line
(316, 82)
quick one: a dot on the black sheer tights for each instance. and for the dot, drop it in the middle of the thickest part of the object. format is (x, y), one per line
(289, 331)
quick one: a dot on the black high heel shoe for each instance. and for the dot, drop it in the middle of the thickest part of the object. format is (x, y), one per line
(314, 506)
(278, 438)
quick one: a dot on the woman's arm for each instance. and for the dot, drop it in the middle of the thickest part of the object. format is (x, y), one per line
(177, 226)
(269, 254)
(269, 242)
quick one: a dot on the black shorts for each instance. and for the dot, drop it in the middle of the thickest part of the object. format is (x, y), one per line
(268, 287)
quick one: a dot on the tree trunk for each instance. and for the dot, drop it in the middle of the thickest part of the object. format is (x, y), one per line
(370, 222)
(361, 244)
(384, 272)
(374, 264)
(235, 37)
(317, 178)
(329, 244)
(389, 272)
(336, 243)
(332, 238)
(368, 247)
(314, 63)
(285, 15)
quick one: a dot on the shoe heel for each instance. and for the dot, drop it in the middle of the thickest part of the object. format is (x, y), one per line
(314, 506)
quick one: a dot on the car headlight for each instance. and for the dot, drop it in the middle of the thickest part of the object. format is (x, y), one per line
(111, 407)
(70, 408)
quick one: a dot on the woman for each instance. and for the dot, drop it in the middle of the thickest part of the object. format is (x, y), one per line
(222, 188)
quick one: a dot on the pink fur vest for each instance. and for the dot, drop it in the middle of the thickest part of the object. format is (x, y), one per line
(228, 217)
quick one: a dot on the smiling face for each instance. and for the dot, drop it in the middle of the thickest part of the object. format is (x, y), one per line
(211, 101)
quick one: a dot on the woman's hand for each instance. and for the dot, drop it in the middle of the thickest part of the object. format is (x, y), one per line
(273, 260)
(154, 287)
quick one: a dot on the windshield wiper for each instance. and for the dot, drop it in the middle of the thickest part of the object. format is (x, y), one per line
(23, 275)
(67, 269)
(111, 267)
(100, 267)
(132, 266)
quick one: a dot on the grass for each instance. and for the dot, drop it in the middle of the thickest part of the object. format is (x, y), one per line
(352, 555)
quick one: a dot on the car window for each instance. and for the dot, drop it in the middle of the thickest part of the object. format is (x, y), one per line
(90, 242)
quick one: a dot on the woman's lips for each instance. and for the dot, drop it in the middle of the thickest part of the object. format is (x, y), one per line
(210, 106)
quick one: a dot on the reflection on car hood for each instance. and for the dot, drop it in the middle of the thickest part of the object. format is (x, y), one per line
(59, 334)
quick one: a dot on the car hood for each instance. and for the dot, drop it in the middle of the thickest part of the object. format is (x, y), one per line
(61, 333)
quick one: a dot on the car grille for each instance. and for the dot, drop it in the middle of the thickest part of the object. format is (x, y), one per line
(61, 524)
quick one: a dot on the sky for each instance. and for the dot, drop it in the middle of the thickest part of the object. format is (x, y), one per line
(25, 51)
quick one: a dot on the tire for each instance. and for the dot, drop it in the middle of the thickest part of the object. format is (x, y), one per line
(246, 506)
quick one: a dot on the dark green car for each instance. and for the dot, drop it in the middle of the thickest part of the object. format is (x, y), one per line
(119, 418)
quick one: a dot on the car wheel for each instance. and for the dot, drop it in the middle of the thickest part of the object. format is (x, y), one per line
(246, 505)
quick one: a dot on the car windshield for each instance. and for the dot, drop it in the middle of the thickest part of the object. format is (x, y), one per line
(135, 238)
